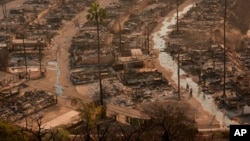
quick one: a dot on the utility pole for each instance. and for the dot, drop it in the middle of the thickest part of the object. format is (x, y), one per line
(24, 48)
(225, 15)
(5, 17)
(148, 33)
(120, 37)
(40, 55)
(24, 51)
(177, 18)
(47, 33)
(178, 50)
(4, 8)
(178, 74)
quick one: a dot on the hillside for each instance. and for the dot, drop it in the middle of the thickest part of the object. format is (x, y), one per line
(239, 15)
(238, 19)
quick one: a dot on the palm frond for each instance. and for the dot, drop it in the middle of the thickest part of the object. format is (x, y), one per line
(95, 12)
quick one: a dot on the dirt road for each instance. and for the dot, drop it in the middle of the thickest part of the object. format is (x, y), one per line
(59, 54)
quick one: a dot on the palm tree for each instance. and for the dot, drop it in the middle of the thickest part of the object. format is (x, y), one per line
(97, 14)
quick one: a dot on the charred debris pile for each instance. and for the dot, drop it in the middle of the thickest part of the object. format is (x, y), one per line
(15, 106)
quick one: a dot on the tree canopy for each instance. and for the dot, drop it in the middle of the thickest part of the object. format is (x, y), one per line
(96, 13)
(9, 132)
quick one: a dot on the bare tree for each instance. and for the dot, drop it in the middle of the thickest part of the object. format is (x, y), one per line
(39, 132)
(172, 122)
(34, 126)
(102, 129)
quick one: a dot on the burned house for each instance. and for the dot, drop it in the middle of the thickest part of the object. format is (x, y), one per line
(131, 59)
(17, 12)
(243, 84)
(21, 106)
(54, 21)
(8, 25)
(28, 55)
(243, 53)
(6, 80)
(134, 69)
(19, 44)
(143, 78)
(126, 115)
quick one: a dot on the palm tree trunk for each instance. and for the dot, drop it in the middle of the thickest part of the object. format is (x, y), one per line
(120, 38)
(25, 59)
(148, 33)
(178, 75)
(40, 58)
(99, 59)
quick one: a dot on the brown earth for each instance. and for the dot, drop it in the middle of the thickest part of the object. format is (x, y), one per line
(239, 15)
(237, 24)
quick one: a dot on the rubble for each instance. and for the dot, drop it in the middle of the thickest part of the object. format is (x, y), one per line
(131, 77)
(204, 57)
(18, 106)
(128, 74)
